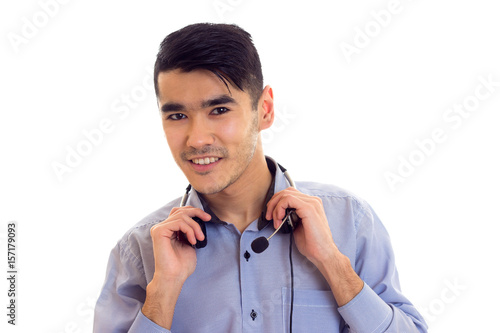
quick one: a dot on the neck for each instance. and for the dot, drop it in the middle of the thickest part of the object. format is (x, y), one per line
(242, 202)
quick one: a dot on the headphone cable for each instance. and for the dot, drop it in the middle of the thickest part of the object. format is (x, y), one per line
(291, 277)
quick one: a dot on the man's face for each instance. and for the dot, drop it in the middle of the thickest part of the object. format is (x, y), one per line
(212, 133)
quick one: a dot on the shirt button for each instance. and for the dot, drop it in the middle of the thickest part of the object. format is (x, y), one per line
(246, 255)
(253, 314)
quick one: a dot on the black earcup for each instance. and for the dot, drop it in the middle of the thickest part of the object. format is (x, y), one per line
(203, 243)
(294, 220)
(199, 244)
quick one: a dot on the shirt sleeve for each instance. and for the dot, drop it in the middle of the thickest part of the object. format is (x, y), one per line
(142, 324)
(118, 308)
(380, 306)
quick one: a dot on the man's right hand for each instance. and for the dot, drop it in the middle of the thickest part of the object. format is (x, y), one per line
(175, 261)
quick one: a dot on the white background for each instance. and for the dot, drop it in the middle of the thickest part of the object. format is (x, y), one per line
(345, 120)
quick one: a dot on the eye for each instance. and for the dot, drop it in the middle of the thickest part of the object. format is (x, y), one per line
(176, 116)
(219, 110)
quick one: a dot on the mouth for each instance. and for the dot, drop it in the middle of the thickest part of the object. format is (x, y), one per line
(204, 160)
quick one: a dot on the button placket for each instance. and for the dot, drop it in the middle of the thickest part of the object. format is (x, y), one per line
(249, 277)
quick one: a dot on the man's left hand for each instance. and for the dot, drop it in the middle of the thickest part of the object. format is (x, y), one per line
(313, 236)
(314, 240)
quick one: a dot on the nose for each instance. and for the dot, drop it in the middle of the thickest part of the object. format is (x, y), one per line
(200, 133)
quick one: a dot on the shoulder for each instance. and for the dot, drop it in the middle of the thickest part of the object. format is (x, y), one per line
(338, 200)
(138, 235)
(332, 193)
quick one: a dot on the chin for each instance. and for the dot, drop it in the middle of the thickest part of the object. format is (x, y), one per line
(209, 185)
(207, 189)
(204, 184)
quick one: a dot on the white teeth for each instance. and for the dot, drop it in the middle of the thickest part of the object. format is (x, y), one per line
(206, 160)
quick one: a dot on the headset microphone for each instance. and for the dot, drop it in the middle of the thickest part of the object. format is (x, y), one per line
(260, 244)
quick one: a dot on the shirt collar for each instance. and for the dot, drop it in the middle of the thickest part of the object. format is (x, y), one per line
(278, 183)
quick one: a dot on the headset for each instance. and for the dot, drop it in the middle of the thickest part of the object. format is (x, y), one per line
(260, 244)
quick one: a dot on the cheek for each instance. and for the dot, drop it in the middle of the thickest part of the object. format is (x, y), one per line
(174, 140)
(229, 131)
(235, 131)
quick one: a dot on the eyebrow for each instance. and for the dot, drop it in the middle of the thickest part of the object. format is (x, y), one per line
(172, 107)
(222, 99)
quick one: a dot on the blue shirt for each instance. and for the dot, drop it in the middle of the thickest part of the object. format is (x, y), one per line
(234, 289)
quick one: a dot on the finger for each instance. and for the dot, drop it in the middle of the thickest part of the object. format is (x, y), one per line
(185, 231)
(275, 199)
(186, 214)
(191, 211)
(183, 224)
(197, 231)
(286, 201)
(188, 232)
(179, 216)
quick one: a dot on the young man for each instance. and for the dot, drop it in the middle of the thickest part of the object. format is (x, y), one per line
(334, 273)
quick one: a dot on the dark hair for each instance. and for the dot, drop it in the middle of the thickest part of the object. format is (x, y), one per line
(224, 49)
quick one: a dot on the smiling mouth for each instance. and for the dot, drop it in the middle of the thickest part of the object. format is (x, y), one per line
(205, 160)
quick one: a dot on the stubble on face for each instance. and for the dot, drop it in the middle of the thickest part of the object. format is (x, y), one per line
(239, 160)
(234, 142)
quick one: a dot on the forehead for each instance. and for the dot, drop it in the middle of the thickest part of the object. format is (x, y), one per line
(195, 87)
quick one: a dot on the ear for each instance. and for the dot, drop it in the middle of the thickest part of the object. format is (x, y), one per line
(266, 108)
